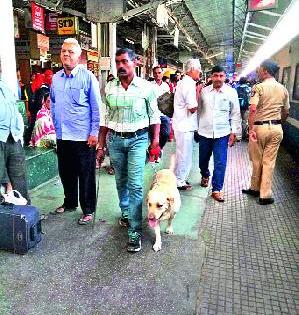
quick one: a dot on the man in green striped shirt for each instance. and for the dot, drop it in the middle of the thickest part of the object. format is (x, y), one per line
(131, 114)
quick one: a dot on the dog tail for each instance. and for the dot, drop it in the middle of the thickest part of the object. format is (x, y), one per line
(172, 162)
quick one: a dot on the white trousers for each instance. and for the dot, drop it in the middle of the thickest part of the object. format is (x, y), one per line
(183, 156)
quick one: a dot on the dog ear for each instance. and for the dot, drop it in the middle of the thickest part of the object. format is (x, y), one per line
(170, 201)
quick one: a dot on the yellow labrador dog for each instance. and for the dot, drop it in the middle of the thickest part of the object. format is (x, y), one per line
(163, 202)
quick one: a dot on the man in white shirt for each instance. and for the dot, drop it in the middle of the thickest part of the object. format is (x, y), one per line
(185, 121)
(161, 88)
(219, 120)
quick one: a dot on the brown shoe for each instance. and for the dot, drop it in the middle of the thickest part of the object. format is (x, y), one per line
(218, 196)
(204, 182)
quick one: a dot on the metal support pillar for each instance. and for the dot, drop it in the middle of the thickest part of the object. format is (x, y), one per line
(112, 46)
(7, 47)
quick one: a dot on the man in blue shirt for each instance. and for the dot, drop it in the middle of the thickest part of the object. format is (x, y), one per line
(75, 102)
(12, 156)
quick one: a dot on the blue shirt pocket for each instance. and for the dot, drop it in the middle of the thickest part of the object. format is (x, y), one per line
(79, 97)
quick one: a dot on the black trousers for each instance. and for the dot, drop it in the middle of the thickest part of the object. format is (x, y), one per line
(13, 166)
(77, 161)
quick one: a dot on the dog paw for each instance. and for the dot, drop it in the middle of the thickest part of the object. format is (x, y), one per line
(169, 230)
(157, 247)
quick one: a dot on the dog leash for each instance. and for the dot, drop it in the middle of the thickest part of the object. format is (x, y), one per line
(97, 192)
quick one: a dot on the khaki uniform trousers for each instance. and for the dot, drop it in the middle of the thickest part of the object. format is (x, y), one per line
(263, 155)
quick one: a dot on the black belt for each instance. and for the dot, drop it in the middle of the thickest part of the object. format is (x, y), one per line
(269, 122)
(138, 132)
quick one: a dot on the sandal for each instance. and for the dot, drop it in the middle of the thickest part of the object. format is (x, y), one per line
(110, 170)
(85, 219)
(62, 209)
(204, 182)
(218, 196)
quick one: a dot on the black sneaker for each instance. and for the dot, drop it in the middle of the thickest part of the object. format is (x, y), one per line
(134, 244)
(123, 221)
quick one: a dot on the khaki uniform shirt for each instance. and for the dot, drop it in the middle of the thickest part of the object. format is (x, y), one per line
(269, 96)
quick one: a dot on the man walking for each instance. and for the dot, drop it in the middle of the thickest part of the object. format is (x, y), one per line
(12, 155)
(162, 88)
(219, 120)
(185, 122)
(269, 108)
(131, 109)
(75, 102)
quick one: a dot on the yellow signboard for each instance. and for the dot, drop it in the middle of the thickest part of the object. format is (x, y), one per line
(67, 26)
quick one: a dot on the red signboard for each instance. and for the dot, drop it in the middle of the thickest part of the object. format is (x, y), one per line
(254, 5)
(51, 22)
(37, 14)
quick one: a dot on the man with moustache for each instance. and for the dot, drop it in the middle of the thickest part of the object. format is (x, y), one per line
(132, 113)
(75, 102)
(219, 120)
(161, 88)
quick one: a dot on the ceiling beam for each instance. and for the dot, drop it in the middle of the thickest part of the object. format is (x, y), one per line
(267, 12)
(260, 26)
(256, 34)
(253, 43)
(251, 36)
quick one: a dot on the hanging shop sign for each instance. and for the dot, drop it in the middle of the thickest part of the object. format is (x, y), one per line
(43, 44)
(51, 22)
(255, 5)
(37, 16)
(67, 26)
(16, 26)
(105, 63)
(85, 41)
(56, 44)
(22, 46)
(93, 55)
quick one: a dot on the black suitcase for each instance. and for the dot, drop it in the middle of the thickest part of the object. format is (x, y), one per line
(20, 227)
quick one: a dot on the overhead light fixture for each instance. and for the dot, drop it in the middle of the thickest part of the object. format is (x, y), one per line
(285, 30)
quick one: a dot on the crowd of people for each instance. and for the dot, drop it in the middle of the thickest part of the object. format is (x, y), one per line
(64, 111)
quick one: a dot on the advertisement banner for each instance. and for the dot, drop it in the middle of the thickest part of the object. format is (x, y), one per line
(85, 41)
(105, 63)
(93, 56)
(42, 42)
(51, 22)
(67, 26)
(37, 15)
(255, 5)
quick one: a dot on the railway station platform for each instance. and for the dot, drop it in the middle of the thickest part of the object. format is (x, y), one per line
(235, 257)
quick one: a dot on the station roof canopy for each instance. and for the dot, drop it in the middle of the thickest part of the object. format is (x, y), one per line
(216, 31)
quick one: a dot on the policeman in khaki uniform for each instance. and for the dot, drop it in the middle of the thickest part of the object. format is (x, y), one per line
(269, 107)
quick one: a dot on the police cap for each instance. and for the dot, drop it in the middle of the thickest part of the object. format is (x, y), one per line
(271, 66)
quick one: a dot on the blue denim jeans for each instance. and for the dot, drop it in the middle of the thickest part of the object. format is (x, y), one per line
(218, 147)
(128, 157)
